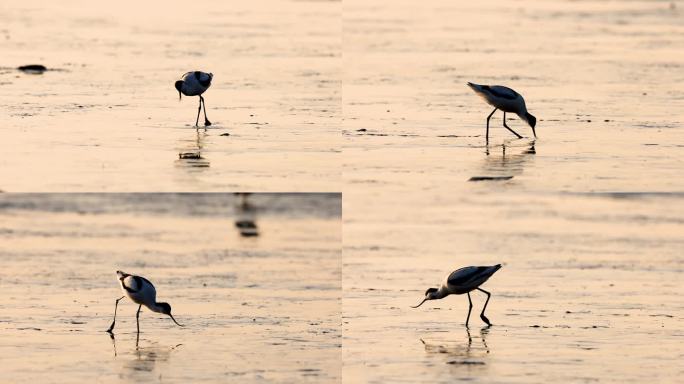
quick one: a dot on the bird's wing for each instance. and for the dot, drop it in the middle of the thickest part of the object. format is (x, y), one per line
(203, 78)
(464, 275)
(132, 283)
(501, 91)
(148, 287)
(145, 280)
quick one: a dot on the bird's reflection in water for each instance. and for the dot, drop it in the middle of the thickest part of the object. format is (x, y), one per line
(246, 216)
(243, 203)
(505, 161)
(190, 155)
(143, 360)
(464, 352)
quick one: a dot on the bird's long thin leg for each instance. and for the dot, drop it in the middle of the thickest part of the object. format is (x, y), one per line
(111, 327)
(199, 109)
(137, 319)
(470, 308)
(482, 315)
(489, 117)
(206, 121)
(507, 127)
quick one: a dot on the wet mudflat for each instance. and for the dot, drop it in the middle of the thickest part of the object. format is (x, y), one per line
(105, 116)
(255, 308)
(586, 220)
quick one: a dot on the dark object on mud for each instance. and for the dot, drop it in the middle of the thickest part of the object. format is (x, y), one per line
(190, 155)
(490, 178)
(361, 130)
(465, 362)
(225, 134)
(33, 68)
(245, 224)
(247, 228)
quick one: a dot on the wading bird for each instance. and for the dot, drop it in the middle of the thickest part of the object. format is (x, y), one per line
(195, 84)
(142, 292)
(507, 100)
(463, 281)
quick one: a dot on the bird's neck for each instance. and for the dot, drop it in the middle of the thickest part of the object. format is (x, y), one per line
(523, 115)
(441, 293)
(155, 308)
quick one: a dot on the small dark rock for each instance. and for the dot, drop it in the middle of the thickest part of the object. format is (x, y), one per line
(361, 130)
(190, 155)
(465, 362)
(245, 224)
(225, 134)
(33, 68)
(490, 178)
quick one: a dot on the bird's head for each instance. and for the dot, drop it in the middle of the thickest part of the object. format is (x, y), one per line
(166, 309)
(179, 85)
(430, 294)
(532, 121)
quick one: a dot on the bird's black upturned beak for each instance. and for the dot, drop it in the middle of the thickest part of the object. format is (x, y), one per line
(179, 95)
(421, 303)
(174, 320)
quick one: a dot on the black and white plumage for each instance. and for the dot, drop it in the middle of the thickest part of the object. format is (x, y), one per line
(507, 100)
(142, 292)
(195, 84)
(462, 281)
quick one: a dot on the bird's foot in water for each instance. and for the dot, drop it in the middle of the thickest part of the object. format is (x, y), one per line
(207, 123)
(485, 319)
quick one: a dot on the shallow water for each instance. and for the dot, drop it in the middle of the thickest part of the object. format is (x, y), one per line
(586, 220)
(106, 117)
(261, 308)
